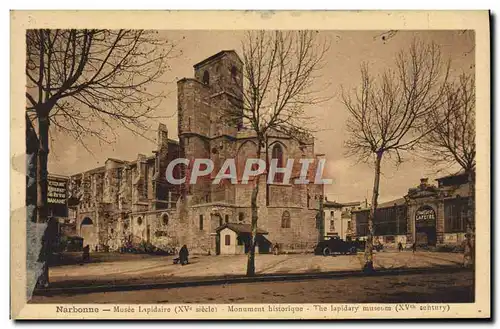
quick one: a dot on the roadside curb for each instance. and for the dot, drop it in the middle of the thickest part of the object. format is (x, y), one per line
(240, 279)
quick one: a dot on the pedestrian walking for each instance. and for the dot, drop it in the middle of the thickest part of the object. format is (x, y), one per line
(414, 247)
(86, 254)
(276, 249)
(400, 246)
(183, 255)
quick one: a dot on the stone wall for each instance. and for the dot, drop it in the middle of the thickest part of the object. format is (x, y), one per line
(302, 234)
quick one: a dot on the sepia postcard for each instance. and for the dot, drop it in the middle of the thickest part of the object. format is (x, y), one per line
(250, 165)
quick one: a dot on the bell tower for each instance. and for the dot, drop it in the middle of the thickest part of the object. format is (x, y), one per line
(221, 72)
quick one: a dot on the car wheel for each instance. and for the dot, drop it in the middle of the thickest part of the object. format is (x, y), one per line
(353, 250)
(327, 251)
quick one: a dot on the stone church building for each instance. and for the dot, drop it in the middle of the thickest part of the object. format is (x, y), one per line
(132, 200)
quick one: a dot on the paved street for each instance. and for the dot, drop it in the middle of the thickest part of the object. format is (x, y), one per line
(432, 287)
(118, 268)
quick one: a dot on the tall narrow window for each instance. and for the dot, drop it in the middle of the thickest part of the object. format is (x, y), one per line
(234, 72)
(277, 153)
(146, 183)
(227, 239)
(119, 175)
(226, 218)
(201, 222)
(285, 219)
(206, 78)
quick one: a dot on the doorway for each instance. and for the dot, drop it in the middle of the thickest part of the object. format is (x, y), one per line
(426, 235)
(425, 226)
(88, 233)
(217, 243)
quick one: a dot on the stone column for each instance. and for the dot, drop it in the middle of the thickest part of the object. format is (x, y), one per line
(440, 222)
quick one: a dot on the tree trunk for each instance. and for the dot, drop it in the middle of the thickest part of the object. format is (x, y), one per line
(31, 171)
(368, 267)
(321, 219)
(469, 249)
(253, 236)
(42, 207)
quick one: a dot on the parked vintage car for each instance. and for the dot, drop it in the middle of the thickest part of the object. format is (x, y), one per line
(335, 245)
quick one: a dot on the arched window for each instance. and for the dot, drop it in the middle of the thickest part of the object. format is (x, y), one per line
(164, 219)
(241, 216)
(139, 221)
(234, 72)
(206, 77)
(87, 221)
(277, 153)
(285, 219)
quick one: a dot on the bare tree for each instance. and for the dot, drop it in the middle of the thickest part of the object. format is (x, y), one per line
(83, 81)
(453, 141)
(388, 112)
(279, 71)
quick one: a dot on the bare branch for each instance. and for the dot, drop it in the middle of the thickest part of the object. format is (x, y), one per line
(94, 76)
(453, 139)
(391, 114)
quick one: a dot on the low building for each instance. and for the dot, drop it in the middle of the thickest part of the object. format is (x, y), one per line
(427, 215)
(235, 239)
(337, 217)
(389, 224)
(438, 214)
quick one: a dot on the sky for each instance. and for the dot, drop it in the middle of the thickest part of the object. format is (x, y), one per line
(352, 181)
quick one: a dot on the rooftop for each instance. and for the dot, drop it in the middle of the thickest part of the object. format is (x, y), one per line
(388, 204)
(213, 57)
(335, 204)
(332, 204)
(459, 173)
(240, 228)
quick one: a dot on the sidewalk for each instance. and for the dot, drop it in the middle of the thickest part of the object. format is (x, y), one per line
(146, 272)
